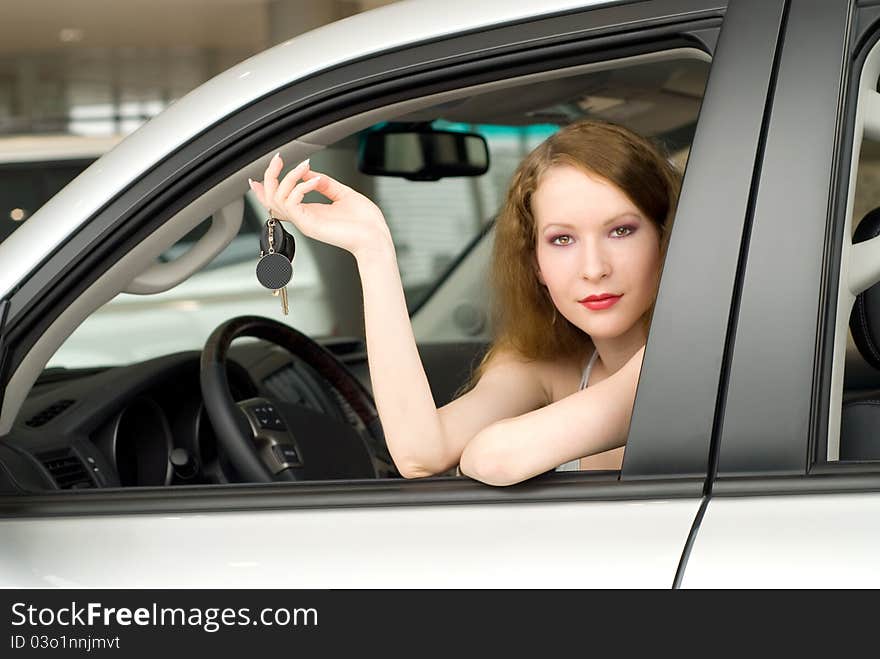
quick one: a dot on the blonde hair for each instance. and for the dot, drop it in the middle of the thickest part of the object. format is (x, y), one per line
(524, 317)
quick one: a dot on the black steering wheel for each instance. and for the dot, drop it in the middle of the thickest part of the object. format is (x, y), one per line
(271, 440)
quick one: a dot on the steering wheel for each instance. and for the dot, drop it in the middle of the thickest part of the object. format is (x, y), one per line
(271, 440)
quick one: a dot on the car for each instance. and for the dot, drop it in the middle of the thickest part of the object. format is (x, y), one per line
(752, 458)
(35, 167)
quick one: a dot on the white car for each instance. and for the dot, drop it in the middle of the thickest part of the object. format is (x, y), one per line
(752, 458)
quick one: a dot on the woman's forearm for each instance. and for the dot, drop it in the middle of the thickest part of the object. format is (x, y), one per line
(587, 422)
(410, 421)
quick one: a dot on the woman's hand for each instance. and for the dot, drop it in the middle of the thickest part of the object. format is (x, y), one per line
(350, 221)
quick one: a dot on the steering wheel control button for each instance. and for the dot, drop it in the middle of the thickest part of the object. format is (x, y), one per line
(267, 417)
(287, 454)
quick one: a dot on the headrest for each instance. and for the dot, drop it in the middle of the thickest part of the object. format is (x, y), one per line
(864, 322)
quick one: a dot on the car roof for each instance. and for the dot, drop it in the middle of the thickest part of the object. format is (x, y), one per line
(381, 29)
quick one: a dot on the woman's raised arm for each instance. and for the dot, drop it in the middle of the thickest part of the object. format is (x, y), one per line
(422, 440)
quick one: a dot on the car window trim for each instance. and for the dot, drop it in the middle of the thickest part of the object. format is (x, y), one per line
(750, 445)
(839, 482)
(447, 490)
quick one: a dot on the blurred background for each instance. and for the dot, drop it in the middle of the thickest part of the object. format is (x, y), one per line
(102, 67)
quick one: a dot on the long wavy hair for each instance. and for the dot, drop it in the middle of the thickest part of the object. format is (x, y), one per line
(524, 317)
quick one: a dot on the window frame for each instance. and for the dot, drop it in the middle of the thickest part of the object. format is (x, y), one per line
(727, 147)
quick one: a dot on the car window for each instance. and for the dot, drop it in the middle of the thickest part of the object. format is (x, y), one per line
(432, 222)
(132, 327)
(856, 372)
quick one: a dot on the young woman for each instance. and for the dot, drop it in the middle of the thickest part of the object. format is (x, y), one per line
(579, 247)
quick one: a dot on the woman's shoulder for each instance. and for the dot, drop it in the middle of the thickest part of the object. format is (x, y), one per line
(557, 377)
(564, 375)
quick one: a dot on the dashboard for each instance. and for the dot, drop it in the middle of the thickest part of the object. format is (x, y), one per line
(145, 424)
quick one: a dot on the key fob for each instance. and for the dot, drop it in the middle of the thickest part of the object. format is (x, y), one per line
(274, 271)
(284, 242)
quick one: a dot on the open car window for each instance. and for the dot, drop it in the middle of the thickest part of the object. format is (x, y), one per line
(438, 228)
(432, 222)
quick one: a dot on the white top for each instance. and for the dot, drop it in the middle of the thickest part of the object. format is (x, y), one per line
(575, 465)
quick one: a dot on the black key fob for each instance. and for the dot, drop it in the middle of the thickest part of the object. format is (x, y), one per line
(283, 241)
(275, 267)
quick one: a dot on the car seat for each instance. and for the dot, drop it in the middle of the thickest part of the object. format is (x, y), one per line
(860, 416)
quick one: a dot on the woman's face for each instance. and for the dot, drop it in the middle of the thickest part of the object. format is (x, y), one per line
(592, 240)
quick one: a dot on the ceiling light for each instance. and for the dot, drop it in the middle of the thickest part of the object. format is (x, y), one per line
(71, 35)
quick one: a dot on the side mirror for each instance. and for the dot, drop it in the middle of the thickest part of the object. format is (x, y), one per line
(422, 153)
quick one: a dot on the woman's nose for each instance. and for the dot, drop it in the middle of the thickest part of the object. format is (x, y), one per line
(596, 265)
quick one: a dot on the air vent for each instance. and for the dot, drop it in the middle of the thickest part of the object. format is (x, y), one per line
(49, 413)
(66, 469)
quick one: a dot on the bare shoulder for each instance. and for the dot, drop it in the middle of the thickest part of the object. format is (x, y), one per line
(562, 376)
(510, 370)
(551, 379)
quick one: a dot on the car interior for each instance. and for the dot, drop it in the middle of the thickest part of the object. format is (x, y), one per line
(284, 403)
(855, 388)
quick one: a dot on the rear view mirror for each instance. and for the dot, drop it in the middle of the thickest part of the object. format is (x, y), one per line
(420, 153)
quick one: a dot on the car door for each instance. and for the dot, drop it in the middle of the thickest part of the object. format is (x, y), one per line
(614, 529)
(785, 509)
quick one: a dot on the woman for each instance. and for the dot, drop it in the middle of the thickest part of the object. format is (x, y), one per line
(579, 247)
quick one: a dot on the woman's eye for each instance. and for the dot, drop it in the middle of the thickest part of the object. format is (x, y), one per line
(562, 240)
(622, 232)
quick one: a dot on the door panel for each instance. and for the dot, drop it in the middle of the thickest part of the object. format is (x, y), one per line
(544, 545)
(793, 541)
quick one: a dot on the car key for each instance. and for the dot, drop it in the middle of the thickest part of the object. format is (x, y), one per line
(275, 267)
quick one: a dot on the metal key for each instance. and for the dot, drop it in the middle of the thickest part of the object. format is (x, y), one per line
(283, 289)
(283, 292)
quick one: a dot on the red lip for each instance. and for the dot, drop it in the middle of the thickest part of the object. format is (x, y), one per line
(599, 302)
